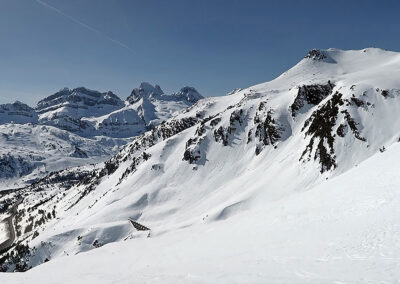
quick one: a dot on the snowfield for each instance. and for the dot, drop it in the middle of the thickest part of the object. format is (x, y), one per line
(345, 230)
(29, 152)
(3, 231)
(290, 181)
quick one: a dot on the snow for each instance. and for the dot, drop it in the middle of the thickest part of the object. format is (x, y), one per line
(244, 206)
(3, 230)
(90, 113)
(17, 113)
(344, 230)
(154, 106)
(36, 141)
(30, 151)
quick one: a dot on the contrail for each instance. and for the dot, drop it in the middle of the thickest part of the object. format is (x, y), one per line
(82, 24)
(4, 99)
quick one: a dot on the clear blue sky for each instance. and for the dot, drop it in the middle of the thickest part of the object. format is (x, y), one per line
(214, 46)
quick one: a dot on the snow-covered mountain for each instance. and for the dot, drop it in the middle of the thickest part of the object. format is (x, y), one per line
(154, 106)
(76, 127)
(66, 108)
(17, 113)
(274, 181)
(91, 113)
(146, 107)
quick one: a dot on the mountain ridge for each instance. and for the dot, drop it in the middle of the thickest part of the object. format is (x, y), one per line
(80, 114)
(221, 159)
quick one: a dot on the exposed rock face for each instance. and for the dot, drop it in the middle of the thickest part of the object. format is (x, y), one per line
(153, 106)
(353, 126)
(145, 91)
(310, 95)
(66, 108)
(92, 102)
(195, 151)
(316, 54)
(188, 95)
(320, 127)
(267, 130)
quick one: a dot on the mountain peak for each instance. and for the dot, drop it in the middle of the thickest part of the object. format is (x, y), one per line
(316, 54)
(145, 90)
(19, 103)
(92, 93)
(149, 88)
(188, 94)
(79, 95)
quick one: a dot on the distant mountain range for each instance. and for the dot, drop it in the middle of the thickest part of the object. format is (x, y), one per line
(91, 113)
(76, 126)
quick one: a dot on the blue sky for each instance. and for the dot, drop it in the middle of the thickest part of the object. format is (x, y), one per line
(215, 46)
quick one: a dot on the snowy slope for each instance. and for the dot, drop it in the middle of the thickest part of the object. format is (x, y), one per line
(3, 231)
(344, 230)
(229, 166)
(28, 152)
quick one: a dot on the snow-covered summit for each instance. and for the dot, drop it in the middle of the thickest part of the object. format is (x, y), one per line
(356, 66)
(90, 113)
(82, 95)
(145, 108)
(154, 106)
(77, 103)
(188, 94)
(146, 90)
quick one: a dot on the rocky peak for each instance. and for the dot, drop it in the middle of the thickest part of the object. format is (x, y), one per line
(78, 96)
(188, 94)
(145, 90)
(316, 54)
